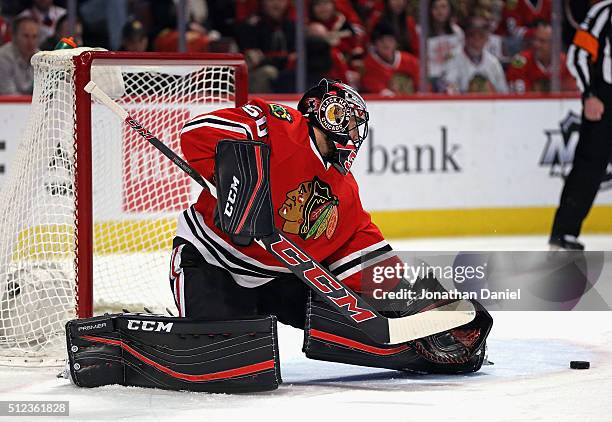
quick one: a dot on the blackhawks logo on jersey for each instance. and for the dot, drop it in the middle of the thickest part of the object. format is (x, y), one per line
(310, 210)
(519, 61)
(280, 112)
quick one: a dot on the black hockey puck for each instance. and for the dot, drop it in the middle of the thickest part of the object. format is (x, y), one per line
(580, 364)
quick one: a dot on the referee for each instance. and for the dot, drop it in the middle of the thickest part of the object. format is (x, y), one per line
(589, 59)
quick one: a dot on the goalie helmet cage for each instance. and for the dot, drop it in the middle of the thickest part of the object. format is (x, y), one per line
(90, 208)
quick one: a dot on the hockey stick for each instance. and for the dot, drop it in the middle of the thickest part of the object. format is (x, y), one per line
(380, 329)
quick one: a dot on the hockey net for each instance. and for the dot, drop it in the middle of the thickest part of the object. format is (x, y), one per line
(89, 208)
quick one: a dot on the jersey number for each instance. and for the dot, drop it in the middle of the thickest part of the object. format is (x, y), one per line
(260, 119)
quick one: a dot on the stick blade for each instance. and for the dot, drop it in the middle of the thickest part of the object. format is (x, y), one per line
(430, 322)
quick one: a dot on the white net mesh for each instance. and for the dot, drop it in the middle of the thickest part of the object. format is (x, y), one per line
(137, 194)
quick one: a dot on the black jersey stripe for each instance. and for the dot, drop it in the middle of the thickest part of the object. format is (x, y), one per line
(220, 253)
(229, 256)
(220, 122)
(367, 256)
(214, 253)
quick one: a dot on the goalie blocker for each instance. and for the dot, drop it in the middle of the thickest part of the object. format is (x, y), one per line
(244, 205)
(170, 353)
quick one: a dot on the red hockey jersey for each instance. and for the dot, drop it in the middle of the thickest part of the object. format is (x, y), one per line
(399, 77)
(313, 204)
(527, 74)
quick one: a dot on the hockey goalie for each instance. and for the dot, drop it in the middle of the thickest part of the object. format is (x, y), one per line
(229, 291)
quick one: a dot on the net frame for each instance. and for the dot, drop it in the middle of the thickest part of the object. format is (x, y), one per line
(79, 145)
(83, 142)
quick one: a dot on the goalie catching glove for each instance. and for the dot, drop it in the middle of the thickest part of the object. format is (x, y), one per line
(328, 336)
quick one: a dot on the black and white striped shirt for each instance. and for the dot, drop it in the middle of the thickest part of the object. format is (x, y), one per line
(589, 58)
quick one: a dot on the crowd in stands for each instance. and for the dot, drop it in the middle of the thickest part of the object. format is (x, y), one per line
(473, 46)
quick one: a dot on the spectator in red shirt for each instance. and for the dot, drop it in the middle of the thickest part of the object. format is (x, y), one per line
(530, 70)
(168, 41)
(340, 33)
(388, 71)
(244, 9)
(404, 25)
(365, 9)
(326, 61)
(520, 16)
(268, 42)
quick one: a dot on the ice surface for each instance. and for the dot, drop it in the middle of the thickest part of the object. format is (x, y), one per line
(530, 381)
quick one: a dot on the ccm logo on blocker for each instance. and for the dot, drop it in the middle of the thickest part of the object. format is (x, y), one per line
(231, 197)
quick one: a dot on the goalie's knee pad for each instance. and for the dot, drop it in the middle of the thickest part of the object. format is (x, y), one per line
(174, 353)
(330, 336)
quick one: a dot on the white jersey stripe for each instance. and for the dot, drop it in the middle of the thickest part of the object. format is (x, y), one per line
(583, 62)
(211, 118)
(245, 280)
(215, 126)
(230, 248)
(357, 254)
(176, 278)
(359, 267)
(599, 24)
(607, 64)
(571, 67)
(181, 294)
(185, 232)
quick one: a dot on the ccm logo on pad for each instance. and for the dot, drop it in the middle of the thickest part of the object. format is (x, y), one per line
(149, 325)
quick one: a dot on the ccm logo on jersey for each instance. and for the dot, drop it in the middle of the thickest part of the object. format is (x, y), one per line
(149, 325)
(231, 197)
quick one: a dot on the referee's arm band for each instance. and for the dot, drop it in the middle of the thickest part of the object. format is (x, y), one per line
(587, 42)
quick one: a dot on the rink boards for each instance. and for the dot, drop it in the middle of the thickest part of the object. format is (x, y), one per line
(428, 168)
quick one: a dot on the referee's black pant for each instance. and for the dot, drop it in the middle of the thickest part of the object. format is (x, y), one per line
(591, 159)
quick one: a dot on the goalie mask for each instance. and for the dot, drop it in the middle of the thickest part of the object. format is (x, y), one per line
(340, 112)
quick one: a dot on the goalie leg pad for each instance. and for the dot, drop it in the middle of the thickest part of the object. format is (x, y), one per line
(329, 336)
(170, 353)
